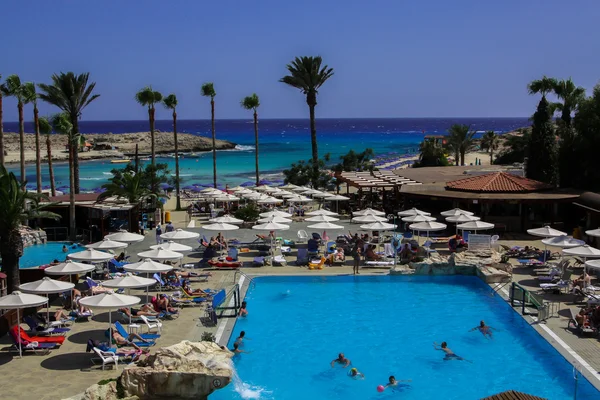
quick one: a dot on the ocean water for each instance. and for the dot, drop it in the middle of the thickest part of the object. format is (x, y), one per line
(386, 325)
(282, 141)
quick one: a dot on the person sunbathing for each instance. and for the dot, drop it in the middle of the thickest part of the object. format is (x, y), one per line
(582, 282)
(146, 310)
(339, 255)
(221, 241)
(100, 289)
(371, 255)
(122, 341)
(162, 303)
(194, 292)
(582, 319)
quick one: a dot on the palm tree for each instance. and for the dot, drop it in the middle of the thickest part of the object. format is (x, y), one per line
(460, 140)
(14, 88)
(543, 86)
(127, 185)
(1, 128)
(571, 96)
(208, 90)
(252, 103)
(72, 94)
(46, 129)
(490, 141)
(170, 102)
(431, 154)
(31, 97)
(147, 97)
(307, 75)
(18, 205)
(62, 123)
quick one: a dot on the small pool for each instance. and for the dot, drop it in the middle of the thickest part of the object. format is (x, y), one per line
(386, 326)
(41, 254)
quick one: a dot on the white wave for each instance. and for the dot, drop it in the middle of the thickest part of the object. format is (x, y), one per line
(180, 175)
(247, 391)
(106, 173)
(242, 147)
(92, 179)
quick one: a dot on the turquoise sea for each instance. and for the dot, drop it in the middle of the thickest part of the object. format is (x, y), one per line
(282, 141)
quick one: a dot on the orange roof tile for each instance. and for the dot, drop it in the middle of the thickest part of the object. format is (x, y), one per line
(497, 182)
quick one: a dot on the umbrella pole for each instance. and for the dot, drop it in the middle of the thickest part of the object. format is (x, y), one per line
(20, 340)
(48, 309)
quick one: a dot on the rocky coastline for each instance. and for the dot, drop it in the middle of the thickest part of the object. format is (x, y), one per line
(110, 145)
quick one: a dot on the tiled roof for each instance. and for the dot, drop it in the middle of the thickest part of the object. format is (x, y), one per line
(513, 395)
(497, 182)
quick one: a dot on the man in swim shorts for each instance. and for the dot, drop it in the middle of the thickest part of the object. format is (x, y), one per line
(241, 338)
(485, 330)
(449, 353)
(342, 360)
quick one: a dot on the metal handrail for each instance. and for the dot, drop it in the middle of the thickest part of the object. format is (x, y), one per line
(242, 273)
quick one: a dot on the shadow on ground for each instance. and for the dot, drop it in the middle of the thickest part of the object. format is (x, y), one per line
(68, 362)
(83, 337)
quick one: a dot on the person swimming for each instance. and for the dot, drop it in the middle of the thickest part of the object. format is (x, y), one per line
(450, 355)
(241, 338)
(356, 374)
(236, 350)
(342, 360)
(485, 330)
(243, 311)
(65, 249)
(392, 382)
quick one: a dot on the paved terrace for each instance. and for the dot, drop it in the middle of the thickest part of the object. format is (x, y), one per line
(68, 370)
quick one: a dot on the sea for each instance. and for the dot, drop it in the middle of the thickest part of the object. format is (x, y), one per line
(281, 142)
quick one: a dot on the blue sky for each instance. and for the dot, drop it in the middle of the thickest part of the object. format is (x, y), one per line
(392, 58)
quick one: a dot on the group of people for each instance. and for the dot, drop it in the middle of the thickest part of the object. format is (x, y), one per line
(354, 373)
(589, 317)
(168, 228)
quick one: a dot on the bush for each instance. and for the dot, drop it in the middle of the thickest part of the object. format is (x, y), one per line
(247, 213)
(207, 337)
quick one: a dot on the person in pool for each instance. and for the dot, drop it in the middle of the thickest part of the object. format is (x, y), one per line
(356, 374)
(342, 360)
(243, 312)
(236, 349)
(241, 338)
(392, 382)
(449, 353)
(65, 249)
(485, 330)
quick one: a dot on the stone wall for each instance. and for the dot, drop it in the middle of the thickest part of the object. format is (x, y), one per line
(32, 237)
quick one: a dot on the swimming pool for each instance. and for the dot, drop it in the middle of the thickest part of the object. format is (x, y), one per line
(41, 254)
(386, 325)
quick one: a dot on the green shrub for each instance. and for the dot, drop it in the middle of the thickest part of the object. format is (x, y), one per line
(207, 337)
(247, 213)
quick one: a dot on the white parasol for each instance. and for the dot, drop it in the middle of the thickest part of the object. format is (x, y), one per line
(584, 251)
(160, 254)
(427, 226)
(17, 300)
(461, 219)
(46, 286)
(298, 199)
(368, 218)
(475, 226)
(546, 232)
(91, 255)
(378, 226)
(125, 237)
(109, 301)
(455, 212)
(322, 212)
(107, 244)
(368, 211)
(179, 234)
(564, 242)
(227, 219)
(69, 268)
(147, 266)
(172, 246)
(418, 218)
(326, 226)
(289, 186)
(321, 218)
(279, 220)
(269, 200)
(130, 281)
(411, 212)
(593, 232)
(275, 213)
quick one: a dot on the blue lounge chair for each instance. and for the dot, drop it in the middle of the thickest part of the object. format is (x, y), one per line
(39, 330)
(147, 336)
(233, 253)
(302, 257)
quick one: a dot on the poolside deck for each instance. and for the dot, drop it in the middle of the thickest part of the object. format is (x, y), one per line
(67, 370)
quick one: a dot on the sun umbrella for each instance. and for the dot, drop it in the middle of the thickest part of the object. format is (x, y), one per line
(593, 232)
(275, 213)
(326, 226)
(310, 192)
(368, 218)
(160, 254)
(455, 212)
(125, 237)
(91, 255)
(427, 226)
(179, 234)
(368, 211)
(279, 220)
(262, 188)
(298, 199)
(289, 186)
(546, 232)
(461, 219)
(46, 286)
(17, 300)
(321, 218)
(337, 197)
(418, 218)
(271, 226)
(109, 301)
(564, 242)
(322, 212)
(172, 246)
(227, 219)
(211, 192)
(287, 195)
(299, 189)
(130, 281)
(378, 226)
(220, 226)
(269, 200)
(584, 251)
(226, 197)
(319, 195)
(147, 266)
(475, 226)
(411, 212)
(243, 191)
(107, 244)
(69, 268)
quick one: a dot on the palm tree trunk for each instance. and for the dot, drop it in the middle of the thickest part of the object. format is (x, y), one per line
(313, 141)
(178, 204)
(462, 158)
(11, 250)
(491, 156)
(256, 145)
(214, 144)
(75, 133)
(38, 151)
(72, 225)
(1, 134)
(136, 160)
(50, 169)
(151, 118)
(22, 143)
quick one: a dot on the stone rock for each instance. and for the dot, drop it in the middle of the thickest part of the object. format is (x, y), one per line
(187, 370)
(107, 391)
(32, 237)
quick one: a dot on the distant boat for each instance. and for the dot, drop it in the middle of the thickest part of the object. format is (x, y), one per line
(120, 161)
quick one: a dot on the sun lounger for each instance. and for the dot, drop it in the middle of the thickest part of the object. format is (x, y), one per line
(302, 257)
(583, 330)
(58, 340)
(147, 336)
(378, 264)
(37, 347)
(225, 264)
(37, 329)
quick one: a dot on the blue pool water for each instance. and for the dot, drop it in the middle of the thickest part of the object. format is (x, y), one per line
(386, 326)
(41, 254)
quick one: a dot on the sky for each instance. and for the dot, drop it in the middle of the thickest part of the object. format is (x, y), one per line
(392, 58)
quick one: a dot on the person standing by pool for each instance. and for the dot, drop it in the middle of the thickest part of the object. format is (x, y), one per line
(449, 353)
(158, 233)
(342, 360)
(485, 330)
(356, 250)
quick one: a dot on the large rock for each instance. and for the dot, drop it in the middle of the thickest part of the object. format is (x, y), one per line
(186, 370)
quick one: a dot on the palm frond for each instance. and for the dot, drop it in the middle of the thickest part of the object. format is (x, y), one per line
(208, 90)
(170, 102)
(13, 87)
(29, 93)
(543, 86)
(251, 102)
(306, 74)
(69, 92)
(45, 127)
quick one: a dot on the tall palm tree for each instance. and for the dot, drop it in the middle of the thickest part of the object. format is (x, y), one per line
(306, 74)
(461, 140)
(491, 141)
(208, 90)
(32, 97)
(14, 88)
(252, 103)
(170, 103)
(571, 96)
(1, 128)
(543, 86)
(431, 154)
(18, 205)
(72, 94)
(46, 129)
(127, 185)
(147, 97)
(62, 124)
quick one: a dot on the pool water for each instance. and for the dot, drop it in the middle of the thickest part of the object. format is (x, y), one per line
(386, 326)
(41, 254)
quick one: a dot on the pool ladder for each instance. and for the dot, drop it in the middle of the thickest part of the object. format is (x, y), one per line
(246, 276)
